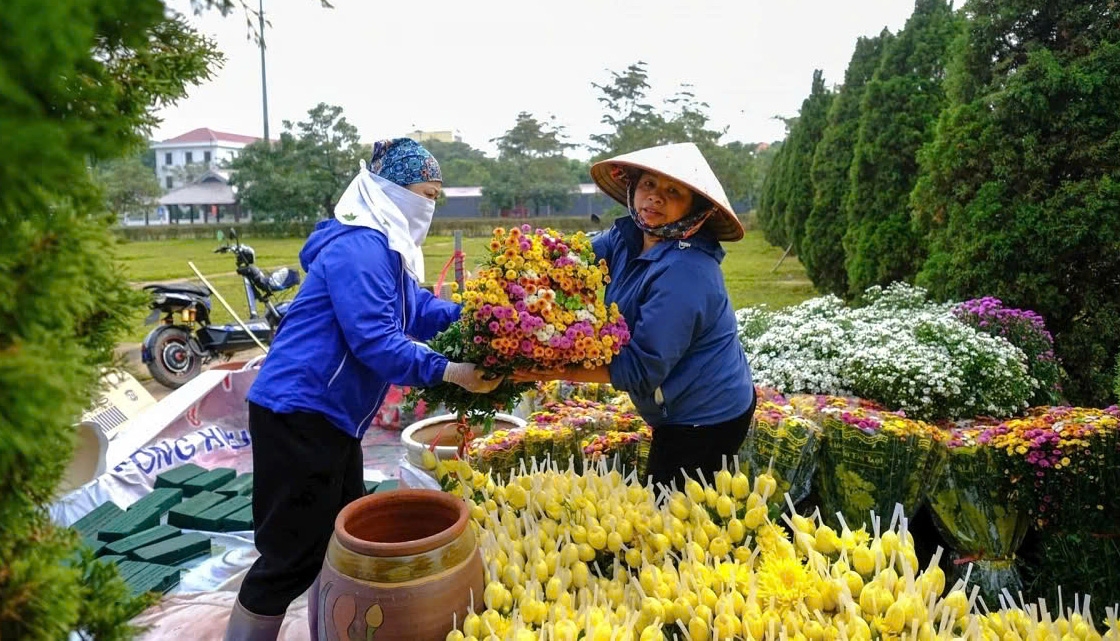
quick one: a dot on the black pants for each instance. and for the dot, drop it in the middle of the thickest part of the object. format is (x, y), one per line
(305, 471)
(677, 450)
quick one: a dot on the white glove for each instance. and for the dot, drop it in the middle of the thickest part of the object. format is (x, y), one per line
(470, 378)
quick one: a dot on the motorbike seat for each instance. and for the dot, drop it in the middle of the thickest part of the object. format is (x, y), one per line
(180, 288)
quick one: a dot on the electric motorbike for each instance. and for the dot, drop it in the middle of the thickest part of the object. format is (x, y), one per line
(186, 339)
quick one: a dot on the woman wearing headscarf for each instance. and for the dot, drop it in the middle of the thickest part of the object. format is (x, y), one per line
(346, 338)
(684, 367)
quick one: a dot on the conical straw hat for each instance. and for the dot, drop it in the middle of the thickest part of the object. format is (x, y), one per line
(682, 162)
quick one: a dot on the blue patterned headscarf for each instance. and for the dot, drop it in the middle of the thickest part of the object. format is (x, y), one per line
(404, 162)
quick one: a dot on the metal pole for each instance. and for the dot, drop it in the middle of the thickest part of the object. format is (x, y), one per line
(458, 258)
(264, 84)
(228, 308)
(782, 259)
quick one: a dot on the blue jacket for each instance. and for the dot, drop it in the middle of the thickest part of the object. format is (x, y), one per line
(345, 338)
(684, 364)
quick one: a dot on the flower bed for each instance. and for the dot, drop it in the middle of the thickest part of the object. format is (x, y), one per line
(898, 349)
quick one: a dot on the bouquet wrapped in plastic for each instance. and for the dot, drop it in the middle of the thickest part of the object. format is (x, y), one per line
(812, 406)
(968, 493)
(785, 445)
(566, 448)
(538, 443)
(623, 451)
(499, 452)
(571, 422)
(770, 395)
(1065, 464)
(1064, 467)
(871, 461)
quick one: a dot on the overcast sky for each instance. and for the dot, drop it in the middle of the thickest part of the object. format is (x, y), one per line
(396, 65)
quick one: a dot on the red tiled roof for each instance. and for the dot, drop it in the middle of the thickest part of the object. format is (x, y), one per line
(205, 134)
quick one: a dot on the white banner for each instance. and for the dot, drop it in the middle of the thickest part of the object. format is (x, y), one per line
(204, 422)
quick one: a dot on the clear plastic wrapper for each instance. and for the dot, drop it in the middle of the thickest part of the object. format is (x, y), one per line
(785, 445)
(872, 461)
(968, 498)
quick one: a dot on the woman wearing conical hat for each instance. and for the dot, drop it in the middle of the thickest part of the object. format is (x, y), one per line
(684, 367)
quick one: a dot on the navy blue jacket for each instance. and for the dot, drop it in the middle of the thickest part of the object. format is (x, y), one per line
(684, 364)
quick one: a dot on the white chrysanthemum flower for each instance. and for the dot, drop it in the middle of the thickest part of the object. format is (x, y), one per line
(898, 349)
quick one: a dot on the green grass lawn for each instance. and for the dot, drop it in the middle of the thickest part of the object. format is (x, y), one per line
(746, 269)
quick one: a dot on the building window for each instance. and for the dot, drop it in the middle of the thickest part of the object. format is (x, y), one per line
(190, 157)
(169, 182)
(167, 158)
(206, 157)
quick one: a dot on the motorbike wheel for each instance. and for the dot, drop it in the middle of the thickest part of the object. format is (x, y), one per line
(173, 362)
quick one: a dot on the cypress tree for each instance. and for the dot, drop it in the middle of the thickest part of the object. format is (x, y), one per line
(900, 106)
(797, 179)
(81, 79)
(772, 205)
(822, 250)
(1020, 189)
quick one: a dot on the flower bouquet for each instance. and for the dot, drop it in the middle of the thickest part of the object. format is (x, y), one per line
(1064, 467)
(623, 451)
(571, 422)
(770, 394)
(1064, 464)
(558, 391)
(967, 494)
(534, 303)
(871, 461)
(538, 443)
(587, 417)
(811, 406)
(498, 453)
(785, 445)
(567, 424)
(566, 450)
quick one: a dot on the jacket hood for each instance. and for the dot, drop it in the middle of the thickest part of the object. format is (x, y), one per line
(325, 232)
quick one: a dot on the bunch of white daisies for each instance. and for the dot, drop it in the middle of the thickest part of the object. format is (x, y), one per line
(897, 348)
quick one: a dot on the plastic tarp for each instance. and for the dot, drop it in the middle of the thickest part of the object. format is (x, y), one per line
(205, 423)
(416, 477)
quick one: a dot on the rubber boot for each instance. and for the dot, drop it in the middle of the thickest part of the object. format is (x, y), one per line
(313, 610)
(246, 626)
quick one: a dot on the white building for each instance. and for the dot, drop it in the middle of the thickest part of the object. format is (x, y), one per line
(441, 135)
(201, 146)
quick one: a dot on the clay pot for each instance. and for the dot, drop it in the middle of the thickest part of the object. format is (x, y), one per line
(420, 435)
(399, 566)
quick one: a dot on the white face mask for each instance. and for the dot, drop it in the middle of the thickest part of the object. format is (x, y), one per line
(417, 210)
(402, 215)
